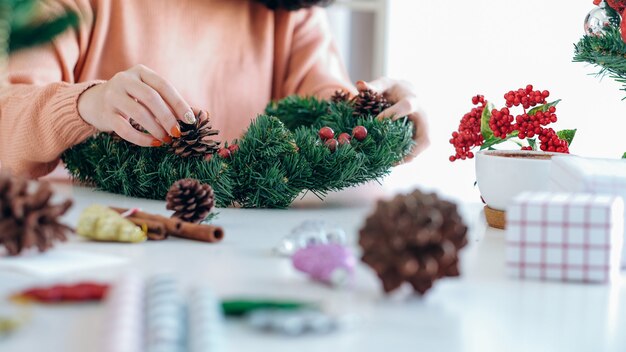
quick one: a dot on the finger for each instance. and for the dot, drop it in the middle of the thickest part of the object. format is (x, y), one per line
(400, 109)
(130, 108)
(169, 94)
(422, 133)
(377, 85)
(122, 127)
(159, 109)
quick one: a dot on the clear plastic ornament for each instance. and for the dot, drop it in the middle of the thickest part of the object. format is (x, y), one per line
(309, 233)
(293, 323)
(600, 18)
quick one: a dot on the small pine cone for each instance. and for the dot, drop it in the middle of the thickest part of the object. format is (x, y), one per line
(340, 96)
(369, 102)
(195, 139)
(27, 219)
(190, 200)
(413, 238)
(135, 125)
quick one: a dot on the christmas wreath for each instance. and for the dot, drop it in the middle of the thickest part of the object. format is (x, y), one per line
(300, 144)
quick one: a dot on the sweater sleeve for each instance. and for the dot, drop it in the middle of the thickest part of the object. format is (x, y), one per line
(39, 116)
(312, 64)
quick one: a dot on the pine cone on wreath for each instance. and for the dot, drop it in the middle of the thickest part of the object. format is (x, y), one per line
(413, 238)
(135, 125)
(27, 219)
(368, 102)
(340, 96)
(190, 200)
(195, 139)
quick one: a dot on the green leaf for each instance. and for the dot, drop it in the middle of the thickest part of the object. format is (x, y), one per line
(567, 135)
(485, 130)
(624, 156)
(532, 142)
(489, 143)
(543, 108)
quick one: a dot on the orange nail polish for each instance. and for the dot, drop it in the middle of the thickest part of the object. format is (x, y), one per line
(175, 131)
(156, 143)
(167, 139)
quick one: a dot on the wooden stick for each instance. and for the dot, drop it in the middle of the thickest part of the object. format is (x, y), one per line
(179, 228)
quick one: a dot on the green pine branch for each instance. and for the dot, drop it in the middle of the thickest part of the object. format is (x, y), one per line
(608, 52)
(274, 165)
(35, 34)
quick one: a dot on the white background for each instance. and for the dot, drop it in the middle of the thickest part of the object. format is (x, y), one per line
(452, 50)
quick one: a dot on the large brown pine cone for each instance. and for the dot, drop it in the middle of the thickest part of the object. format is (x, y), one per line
(190, 200)
(413, 238)
(368, 102)
(195, 139)
(27, 219)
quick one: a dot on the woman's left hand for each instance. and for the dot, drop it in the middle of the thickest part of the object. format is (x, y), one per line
(405, 103)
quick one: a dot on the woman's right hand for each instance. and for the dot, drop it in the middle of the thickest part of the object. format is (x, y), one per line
(141, 94)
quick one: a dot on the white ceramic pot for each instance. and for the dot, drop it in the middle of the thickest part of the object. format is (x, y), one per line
(503, 174)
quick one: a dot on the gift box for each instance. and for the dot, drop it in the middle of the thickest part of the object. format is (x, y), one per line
(565, 236)
(588, 175)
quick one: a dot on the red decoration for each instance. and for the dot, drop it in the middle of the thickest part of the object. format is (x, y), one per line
(81, 292)
(359, 133)
(344, 138)
(224, 153)
(617, 5)
(326, 133)
(332, 144)
(623, 25)
(233, 148)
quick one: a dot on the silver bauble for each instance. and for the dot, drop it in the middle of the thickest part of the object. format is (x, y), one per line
(600, 18)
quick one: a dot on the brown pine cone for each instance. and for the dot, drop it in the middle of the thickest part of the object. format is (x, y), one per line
(413, 238)
(27, 219)
(368, 102)
(195, 139)
(340, 96)
(190, 200)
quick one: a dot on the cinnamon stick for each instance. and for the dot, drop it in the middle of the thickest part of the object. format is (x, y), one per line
(178, 228)
(156, 229)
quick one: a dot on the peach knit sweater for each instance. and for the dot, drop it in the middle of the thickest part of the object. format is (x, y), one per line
(230, 57)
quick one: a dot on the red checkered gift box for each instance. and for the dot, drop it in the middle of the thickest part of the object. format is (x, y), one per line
(565, 236)
(589, 175)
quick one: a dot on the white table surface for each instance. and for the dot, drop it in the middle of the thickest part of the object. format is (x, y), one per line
(481, 311)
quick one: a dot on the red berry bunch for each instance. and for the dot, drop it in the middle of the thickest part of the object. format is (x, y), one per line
(468, 136)
(504, 125)
(501, 122)
(526, 97)
(550, 142)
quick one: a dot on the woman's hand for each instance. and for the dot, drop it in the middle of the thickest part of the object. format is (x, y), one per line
(402, 95)
(141, 94)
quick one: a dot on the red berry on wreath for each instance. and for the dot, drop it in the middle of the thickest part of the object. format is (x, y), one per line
(344, 138)
(233, 148)
(359, 132)
(224, 153)
(332, 144)
(326, 133)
